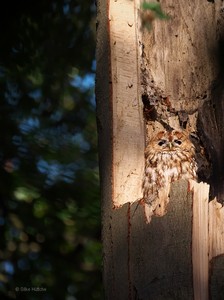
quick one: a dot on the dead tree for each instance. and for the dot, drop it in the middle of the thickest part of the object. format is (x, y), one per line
(168, 77)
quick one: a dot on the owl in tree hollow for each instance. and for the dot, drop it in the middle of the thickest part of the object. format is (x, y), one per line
(170, 156)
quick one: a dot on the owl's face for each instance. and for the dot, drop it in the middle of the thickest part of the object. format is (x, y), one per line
(174, 141)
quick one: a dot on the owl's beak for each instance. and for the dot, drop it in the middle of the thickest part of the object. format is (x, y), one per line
(170, 145)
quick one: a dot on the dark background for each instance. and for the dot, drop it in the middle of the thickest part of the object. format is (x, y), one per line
(49, 193)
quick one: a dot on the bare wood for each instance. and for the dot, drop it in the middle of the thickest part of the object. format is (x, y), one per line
(216, 249)
(200, 239)
(216, 229)
(104, 124)
(128, 126)
(160, 258)
(121, 139)
(217, 278)
(179, 57)
(207, 241)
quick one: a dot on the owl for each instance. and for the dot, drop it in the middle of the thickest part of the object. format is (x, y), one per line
(169, 156)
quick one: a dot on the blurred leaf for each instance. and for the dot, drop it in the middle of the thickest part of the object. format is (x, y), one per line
(155, 7)
(26, 194)
(151, 11)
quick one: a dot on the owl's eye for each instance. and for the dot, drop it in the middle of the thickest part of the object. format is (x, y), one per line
(161, 142)
(178, 142)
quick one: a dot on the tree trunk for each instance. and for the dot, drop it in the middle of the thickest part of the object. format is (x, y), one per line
(169, 77)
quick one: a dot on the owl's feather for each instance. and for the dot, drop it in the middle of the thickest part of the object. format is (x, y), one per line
(170, 156)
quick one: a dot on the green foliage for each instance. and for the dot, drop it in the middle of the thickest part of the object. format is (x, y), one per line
(49, 187)
(156, 8)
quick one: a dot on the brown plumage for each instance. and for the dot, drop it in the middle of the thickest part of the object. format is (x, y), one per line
(170, 156)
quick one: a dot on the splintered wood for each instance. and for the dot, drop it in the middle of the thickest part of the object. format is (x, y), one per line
(216, 229)
(128, 127)
(200, 239)
(207, 236)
